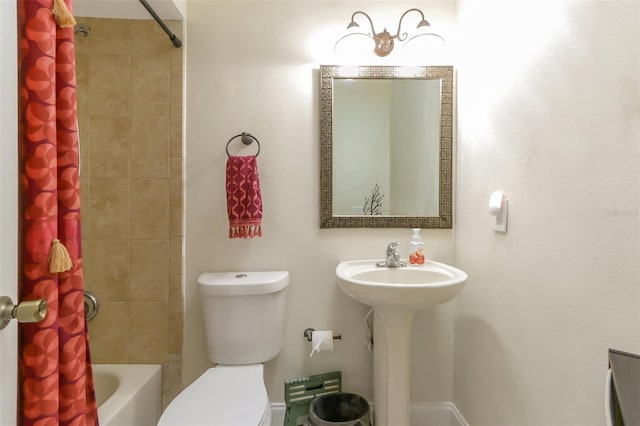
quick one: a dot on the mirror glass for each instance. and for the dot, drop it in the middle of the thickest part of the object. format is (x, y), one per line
(386, 146)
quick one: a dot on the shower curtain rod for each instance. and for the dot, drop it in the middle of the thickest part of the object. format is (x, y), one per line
(174, 38)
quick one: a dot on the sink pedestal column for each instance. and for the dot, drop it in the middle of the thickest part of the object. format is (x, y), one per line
(391, 364)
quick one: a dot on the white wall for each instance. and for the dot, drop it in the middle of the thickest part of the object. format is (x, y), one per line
(415, 157)
(129, 9)
(549, 113)
(253, 66)
(361, 129)
(8, 205)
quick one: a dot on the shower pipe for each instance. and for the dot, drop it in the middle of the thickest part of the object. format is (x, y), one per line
(174, 38)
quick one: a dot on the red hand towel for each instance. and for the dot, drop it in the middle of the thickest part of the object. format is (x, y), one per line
(244, 201)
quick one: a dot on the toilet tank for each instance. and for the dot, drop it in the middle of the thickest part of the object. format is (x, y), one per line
(243, 315)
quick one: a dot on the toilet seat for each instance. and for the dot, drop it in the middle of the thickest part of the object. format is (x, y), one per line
(226, 395)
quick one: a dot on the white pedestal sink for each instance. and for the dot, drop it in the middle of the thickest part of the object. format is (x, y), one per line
(396, 294)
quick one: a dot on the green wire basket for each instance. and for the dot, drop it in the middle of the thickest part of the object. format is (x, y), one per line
(299, 392)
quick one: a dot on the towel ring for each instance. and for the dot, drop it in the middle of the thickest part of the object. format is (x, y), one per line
(247, 139)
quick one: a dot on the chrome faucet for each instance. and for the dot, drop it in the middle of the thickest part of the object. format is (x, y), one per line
(393, 258)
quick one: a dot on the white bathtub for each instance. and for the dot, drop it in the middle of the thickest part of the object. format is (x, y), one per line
(128, 394)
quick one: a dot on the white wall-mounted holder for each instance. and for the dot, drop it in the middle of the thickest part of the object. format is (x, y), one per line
(499, 207)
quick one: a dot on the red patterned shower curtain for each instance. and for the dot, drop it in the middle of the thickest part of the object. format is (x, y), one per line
(56, 382)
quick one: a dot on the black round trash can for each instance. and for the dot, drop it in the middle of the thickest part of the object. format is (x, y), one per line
(339, 409)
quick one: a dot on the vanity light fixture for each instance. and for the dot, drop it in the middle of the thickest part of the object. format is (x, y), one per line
(384, 41)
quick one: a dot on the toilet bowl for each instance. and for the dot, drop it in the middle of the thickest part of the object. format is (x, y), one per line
(244, 322)
(223, 395)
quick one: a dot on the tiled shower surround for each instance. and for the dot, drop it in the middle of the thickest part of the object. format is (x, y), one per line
(129, 79)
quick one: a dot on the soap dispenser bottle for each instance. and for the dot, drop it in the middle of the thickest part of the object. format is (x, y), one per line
(416, 249)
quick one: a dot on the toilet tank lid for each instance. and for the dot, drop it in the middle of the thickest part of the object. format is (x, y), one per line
(242, 283)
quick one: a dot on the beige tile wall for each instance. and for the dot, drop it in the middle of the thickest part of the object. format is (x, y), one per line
(130, 120)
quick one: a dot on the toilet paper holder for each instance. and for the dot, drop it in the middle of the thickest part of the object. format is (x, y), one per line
(308, 333)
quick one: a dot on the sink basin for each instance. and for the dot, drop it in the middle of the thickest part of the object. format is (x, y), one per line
(411, 286)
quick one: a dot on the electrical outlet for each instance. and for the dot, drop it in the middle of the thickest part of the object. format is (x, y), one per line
(502, 218)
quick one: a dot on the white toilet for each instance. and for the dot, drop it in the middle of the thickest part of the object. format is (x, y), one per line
(244, 321)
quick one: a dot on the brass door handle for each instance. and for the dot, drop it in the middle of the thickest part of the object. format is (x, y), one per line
(26, 311)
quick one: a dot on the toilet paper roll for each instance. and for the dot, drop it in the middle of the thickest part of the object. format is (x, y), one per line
(321, 341)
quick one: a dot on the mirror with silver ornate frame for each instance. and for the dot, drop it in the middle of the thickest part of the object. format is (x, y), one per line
(386, 147)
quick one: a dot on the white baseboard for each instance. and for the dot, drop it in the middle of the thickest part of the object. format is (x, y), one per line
(436, 414)
(278, 409)
(422, 414)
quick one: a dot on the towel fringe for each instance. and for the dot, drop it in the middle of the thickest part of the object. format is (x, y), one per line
(59, 259)
(245, 231)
